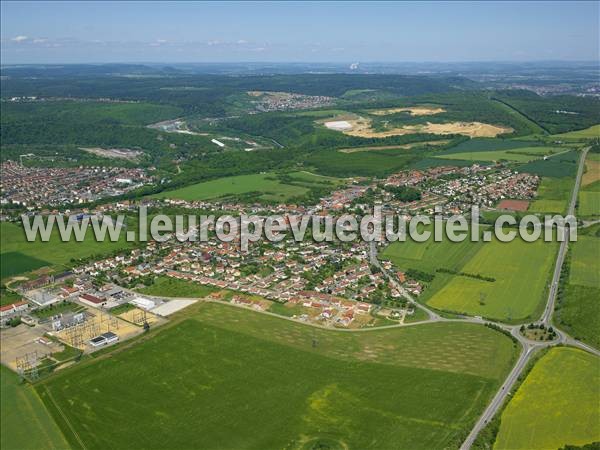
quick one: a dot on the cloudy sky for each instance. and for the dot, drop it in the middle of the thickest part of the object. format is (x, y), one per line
(73, 32)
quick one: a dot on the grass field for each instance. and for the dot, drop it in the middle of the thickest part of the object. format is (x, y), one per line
(8, 297)
(588, 133)
(563, 165)
(521, 271)
(172, 287)
(478, 145)
(25, 424)
(523, 154)
(579, 313)
(19, 256)
(585, 265)
(553, 195)
(592, 169)
(379, 163)
(254, 381)
(589, 203)
(266, 184)
(429, 256)
(557, 404)
(14, 263)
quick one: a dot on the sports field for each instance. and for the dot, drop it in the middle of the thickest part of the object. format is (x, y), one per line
(25, 424)
(19, 256)
(172, 287)
(520, 270)
(253, 381)
(556, 405)
(585, 267)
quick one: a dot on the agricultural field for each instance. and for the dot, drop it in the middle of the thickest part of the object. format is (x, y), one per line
(266, 186)
(429, 256)
(578, 310)
(578, 313)
(19, 256)
(376, 164)
(589, 200)
(559, 166)
(25, 423)
(172, 287)
(552, 195)
(523, 154)
(592, 169)
(520, 270)
(587, 133)
(418, 387)
(478, 145)
(424, 145)
(556, 405)
(585, 262)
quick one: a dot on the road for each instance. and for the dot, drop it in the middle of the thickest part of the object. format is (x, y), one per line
(547, 315)
(528, 347)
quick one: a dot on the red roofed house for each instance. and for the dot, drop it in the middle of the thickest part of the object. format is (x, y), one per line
(13, 308)
(91, 300)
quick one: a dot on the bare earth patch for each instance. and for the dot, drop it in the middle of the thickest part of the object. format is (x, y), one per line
(592, 173)
(118, 153)
(361, 127)
(414, 111)
(514, 205)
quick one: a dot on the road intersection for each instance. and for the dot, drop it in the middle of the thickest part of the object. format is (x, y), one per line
(528, 347)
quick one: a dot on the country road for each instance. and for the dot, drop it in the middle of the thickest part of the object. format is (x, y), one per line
(547, 315)
(529, 349)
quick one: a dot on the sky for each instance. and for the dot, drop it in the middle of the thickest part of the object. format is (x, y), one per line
(97, 32)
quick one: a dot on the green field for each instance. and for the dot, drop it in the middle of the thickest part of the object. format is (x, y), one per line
(522, 154)
(172, 287)
(578, 313)
(25, 424)
(8, 297)
(552, 196)
(578, 309)
(380, 163)
(556, 405)
(585, 265)
(588, 133)
(478, 145)
(14, 263)
(19, 256)
(559, 166)
(229, 369)
(267, 186)
(430, 255)
(589, 203)
(521, 271)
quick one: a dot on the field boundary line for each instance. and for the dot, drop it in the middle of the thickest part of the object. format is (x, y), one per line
(62, 414)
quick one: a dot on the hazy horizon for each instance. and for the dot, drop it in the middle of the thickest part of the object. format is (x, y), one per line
(292, 32)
